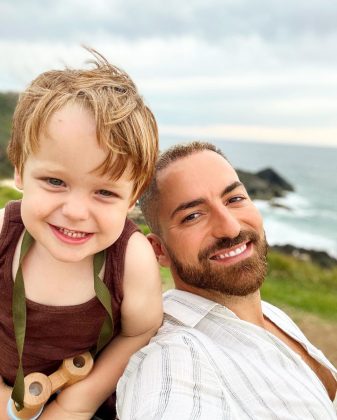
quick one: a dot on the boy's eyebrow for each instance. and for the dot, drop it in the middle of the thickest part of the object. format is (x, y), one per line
(190, 204)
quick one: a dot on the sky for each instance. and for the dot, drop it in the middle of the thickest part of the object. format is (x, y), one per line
(252, 70)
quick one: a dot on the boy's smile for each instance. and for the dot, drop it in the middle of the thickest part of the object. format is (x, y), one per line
(70, 236)
(69, 209)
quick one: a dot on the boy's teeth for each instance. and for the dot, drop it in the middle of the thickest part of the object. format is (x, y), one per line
(232, 253)
(72, 233)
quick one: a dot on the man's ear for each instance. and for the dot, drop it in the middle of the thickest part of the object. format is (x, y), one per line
(159, 249)
(18, 179)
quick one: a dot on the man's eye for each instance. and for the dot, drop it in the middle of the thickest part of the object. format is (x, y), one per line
(236, 199)
(55, 182)
(191, 217)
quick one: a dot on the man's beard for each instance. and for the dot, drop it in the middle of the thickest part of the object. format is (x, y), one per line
(238, 279)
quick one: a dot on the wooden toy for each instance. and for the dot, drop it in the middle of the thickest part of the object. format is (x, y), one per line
(39, 387)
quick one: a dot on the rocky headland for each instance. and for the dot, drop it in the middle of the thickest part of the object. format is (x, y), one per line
(265, 184)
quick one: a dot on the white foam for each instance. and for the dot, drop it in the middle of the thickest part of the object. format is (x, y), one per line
(294, 201)
(279, 233)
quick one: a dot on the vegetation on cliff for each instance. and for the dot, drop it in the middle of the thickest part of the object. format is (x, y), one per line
(7, 105)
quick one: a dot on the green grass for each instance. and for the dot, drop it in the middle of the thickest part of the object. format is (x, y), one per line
(7, 194)
(301, 285)
(166, 279)
(7, 105)
(144, 228)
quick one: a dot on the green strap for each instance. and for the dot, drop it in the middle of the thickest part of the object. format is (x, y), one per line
(19, 314)
(19, 320)
(103, 295)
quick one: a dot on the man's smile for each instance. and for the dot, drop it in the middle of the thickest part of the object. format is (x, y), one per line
(229, 253)
(233, 254)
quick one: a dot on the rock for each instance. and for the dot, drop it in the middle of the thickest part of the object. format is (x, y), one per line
(320, 258)
(275, 179)
(265, 184)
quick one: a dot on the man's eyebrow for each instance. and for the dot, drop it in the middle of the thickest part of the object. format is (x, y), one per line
(190, 204)
(187, 205)
(231, 187)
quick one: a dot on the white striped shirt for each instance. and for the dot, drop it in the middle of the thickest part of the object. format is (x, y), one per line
(206, 363)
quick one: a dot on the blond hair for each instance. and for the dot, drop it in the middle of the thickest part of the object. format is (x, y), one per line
(125, 126)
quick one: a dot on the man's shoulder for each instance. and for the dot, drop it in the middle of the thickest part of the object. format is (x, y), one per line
(174, 345)
(174, 338)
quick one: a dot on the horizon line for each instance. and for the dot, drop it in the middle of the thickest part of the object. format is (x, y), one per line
(317, 137)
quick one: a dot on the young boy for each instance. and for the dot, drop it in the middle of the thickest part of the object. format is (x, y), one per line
(84, 147)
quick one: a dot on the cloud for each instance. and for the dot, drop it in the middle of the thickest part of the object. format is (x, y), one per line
(247, 63)
(213, 21)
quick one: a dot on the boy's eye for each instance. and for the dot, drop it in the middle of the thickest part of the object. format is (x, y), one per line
(106, 193)
(55, 182)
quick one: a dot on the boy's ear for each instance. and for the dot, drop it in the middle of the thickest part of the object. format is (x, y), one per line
(18, 179)
(159, 249)
(131, 207)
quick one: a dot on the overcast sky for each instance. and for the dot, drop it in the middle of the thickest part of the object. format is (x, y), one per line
(261, 70)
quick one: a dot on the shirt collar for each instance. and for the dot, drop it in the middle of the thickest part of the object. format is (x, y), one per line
(186, 307)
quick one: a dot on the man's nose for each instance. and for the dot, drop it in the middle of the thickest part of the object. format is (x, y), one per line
(76, 207)
(225, 223)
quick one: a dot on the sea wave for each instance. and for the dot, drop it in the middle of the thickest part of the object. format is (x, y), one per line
(294, 201)
(279, 233)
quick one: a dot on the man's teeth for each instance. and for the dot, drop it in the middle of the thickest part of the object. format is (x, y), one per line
(232, 253)
(72, 233)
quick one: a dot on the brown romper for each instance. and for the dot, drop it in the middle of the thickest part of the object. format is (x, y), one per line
(53, 333)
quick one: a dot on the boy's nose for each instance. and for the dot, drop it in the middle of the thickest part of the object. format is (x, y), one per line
(225, 224)
(75, 208)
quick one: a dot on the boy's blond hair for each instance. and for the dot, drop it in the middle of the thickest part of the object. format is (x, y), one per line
(125, 126)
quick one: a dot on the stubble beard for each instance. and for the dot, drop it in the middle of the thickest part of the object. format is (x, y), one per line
(238, 279)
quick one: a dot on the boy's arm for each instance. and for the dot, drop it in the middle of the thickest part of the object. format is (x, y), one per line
(5, 394)
(141, 317)
(2, 215)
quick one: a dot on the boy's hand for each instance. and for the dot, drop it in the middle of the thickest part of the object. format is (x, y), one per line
(73, 403)
(53, 411)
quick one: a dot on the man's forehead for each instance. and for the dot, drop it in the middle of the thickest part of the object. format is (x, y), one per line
(194, 177)
(204, 163)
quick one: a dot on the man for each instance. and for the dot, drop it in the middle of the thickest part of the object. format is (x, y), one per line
(221, 353)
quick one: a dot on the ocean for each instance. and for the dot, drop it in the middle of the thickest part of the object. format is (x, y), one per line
(310, 219)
